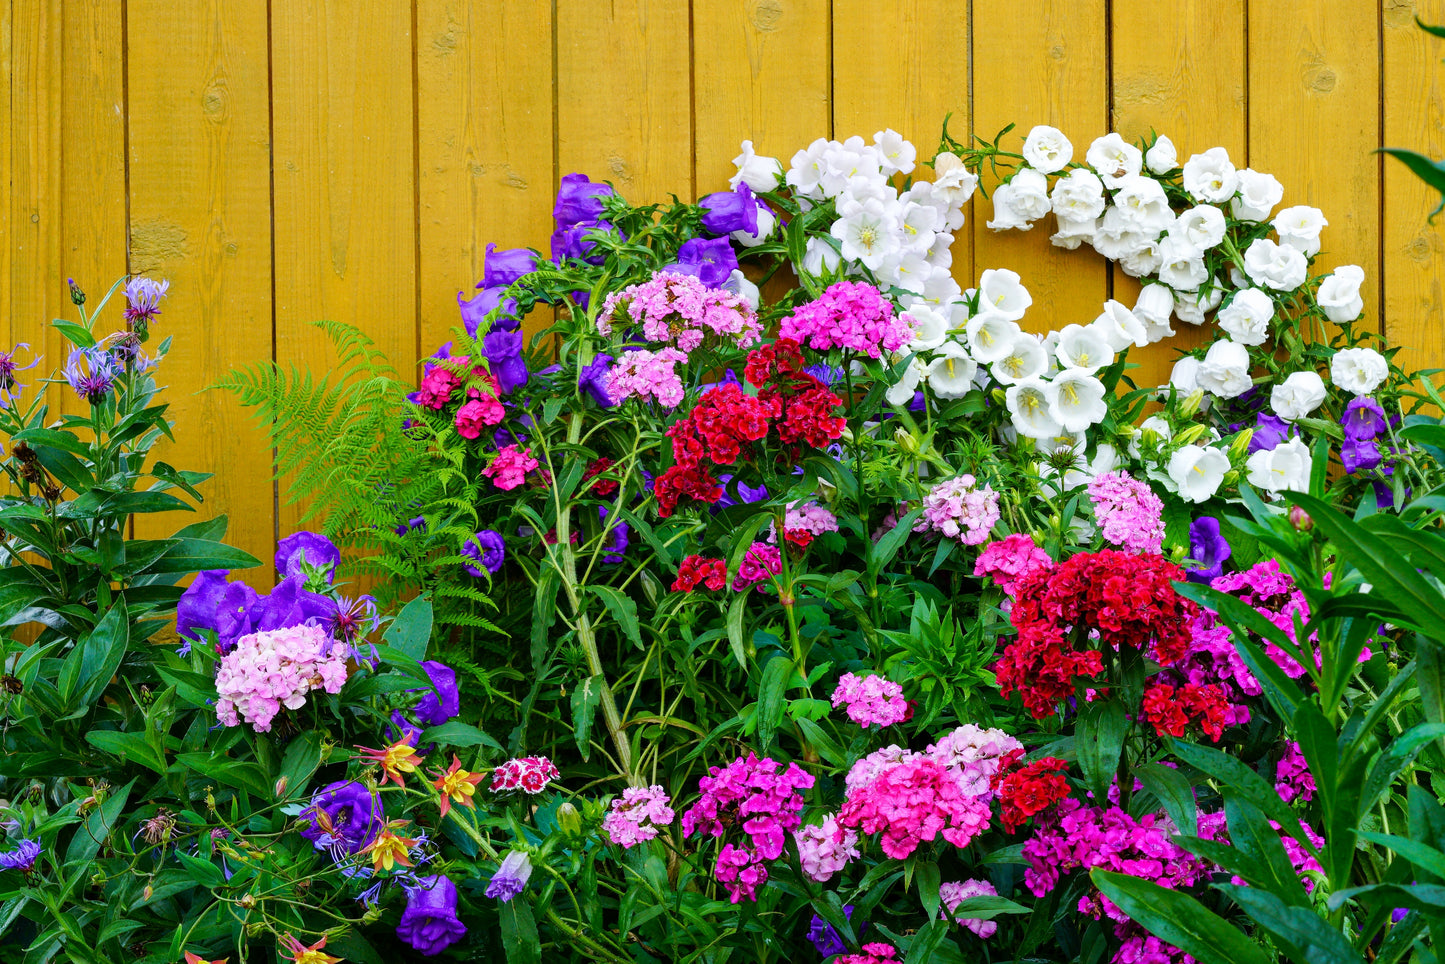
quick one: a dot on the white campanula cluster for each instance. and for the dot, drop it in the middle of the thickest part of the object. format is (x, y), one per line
(1209, 241)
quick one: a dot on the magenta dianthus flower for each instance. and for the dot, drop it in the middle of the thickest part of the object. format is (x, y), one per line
(760, 562)
(912, 802)
(974, 755)
(852, 315)
(757, 793)
(871, 700)
(1292, 777)
(509, 468)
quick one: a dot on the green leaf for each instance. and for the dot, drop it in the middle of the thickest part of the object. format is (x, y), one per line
(457, 733)
(1173, 790)
(91, 834)
(71, 472)
(777, 673)
(1397, 757)
(126, 503)
(888, 546)
(1240, 779)
(203, 872)
(1424, 857)
(830, 908)
(303, 756)
(103, 650)
(1430, 676)
(826, 746)
(128, 746)
(987, 907)
(1179, 919)
(1431, 172)
(585, 697)
(1251, 834)
(243, 775)
(519, 933)
(1426, 898)
(1401, 938)
(737, 610)
(194, 555)
(410, 631)
(1321, 750)
(1100, 741)
(928, 876)
(77, 335)
(1298, 930)
(623, 609)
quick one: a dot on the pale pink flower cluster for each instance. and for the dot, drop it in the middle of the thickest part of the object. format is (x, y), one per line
(647, 375)
(954, 892)
(681, 309)
(268, 670)
(637, 815)
(1129, 514)
(804, 521)
(851, 315)
(509, 468)
(871, 700)
(957, 510)
(825, 849)
(866, 770)
(759, 563)
(530, 774)
(912, 802)
(1009, 560)
(974, 754)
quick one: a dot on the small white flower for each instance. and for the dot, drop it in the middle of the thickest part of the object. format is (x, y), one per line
(1198, 471)
(1078, 196)
(1201, 225)
(1154, 308)
(1299, 227)
(1001, 293)
(866, 232)
(1071, 234)
(1047, 149)
(1005, 215)
(1114, 158)
(1359, 370)
(952, 181)
(1117, 236)
(897, 154)
(901, 391)
(809, 165)
(1339, 294)
(990, 336)
(1225, 370)
(739, 284)
(1286, 467)
(1210, 176)
(1142, 202)
(1026, 358)
(1258, 194)
(1190, 306)
(1277, 266)
(820, 258)
(930, 328)
(950, 374)
(1031, 193)
(1246, 318)
(1028, 407)
(1162, 157)
(757, 172)
(1083, 348)
(1120, 327)
(1297, 396)
(918, 226)
(908, 270)
(1182, 266)
(1185, 375)
(1146, 258)
(1076, 400)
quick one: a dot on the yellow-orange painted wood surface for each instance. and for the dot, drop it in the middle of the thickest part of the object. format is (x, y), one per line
(352, 159)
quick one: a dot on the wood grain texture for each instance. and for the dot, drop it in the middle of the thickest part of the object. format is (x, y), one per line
(484, 122)
(1041, 62)
(345, 202)
(7, 198)
(1179, 69)
(201, 217)
(905, 66)
(764, 78)
(624, 95)
(1314, 122)
(1413, 250)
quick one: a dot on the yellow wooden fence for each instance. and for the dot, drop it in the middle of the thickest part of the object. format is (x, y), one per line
(282, 161)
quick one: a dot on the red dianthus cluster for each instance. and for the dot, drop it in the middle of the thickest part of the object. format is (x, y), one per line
(604, 486)
(1031, 789)
(1106, 599)
(1172, 709)
(700, 570)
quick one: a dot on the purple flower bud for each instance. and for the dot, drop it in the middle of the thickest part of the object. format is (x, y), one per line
(429, 923)
(710, 261)
(1300, 519)
(1208, 550)
(1269, 432)
(345, 817)
(1363, 420)
(729, 211)
(593, 379)
(1359, 454)
(443, 702)
(579, 199)
(475, 312)
(312, 548)
(511, 877)
(504, 267)
(489, 549)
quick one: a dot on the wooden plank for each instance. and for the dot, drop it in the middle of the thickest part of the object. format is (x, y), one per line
(1179, 69)
(1041, 62)
(1413, 251)
(345, 201)
(8, 125)
(905, 66)
(763, 77)
(484, 121)
(1314, 95)
(624, 104)
(200, 217)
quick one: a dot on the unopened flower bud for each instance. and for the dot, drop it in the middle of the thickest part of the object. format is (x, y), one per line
(1190, 405)
(569, 819)
(1300, 519)
(280, 789)
(1230, 478)
(77, 297)
(999, 397)
(1192, 434)
(1149, 440)
(847, 437)
(247, 902)
(905, 440)
(1239, 448)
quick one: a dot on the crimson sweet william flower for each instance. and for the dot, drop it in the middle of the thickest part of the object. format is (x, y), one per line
(1031, 789)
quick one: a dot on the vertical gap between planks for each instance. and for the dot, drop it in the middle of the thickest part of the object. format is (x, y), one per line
(832, 94)
(692, 96)
(271, 187)
(1108, 115)
(413, 364)
(1248, 88)
(968, 140)
(125, 146)
(1380, 169)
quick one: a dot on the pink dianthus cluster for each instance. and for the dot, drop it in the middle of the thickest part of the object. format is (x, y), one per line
(742, 871)
(872, 954)
(438, 383)
(481, 409)
(825, 849)
(268, 670)
(955, 509)
(1292, 778)
(1129, 514)
(1141, 947)
(509, 467)
(974, 754)
(954, 892)
(805, 521)
(530, 774)
(1009, 560)
(637, 815)
(759, 563)
(681, 309)
(871, 700)
(914, 801)
(647, 375)
(852, 315)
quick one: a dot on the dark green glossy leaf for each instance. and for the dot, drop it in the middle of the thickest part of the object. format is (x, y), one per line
(1179, 919)
(1299, 931)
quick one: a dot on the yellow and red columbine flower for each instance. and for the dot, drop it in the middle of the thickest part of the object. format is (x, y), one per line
(389, 849)
(394, 760)
(301, 954)
(457, 785)
(198, 959)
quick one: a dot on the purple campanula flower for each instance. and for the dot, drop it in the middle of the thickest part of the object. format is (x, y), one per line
(573, 242)
(211, 602)
(418, 522)
(1364, 419)
(1269, 432)
(617, 539)
(489, 549)
(444, 701)
(593, 379)
(312, 548)
(1359, 455)
(290, 604)
(504, 267)
(486, 301)
(727, 211)
(709, 261)
(345, 817)
(429, 923)
(511, 877)
(92, 373)
(579, 199)
(23, 857)
(504, 359)
(1208, 550)
(403, 729)
(746, 494)
(827, 374)
(825, 936)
